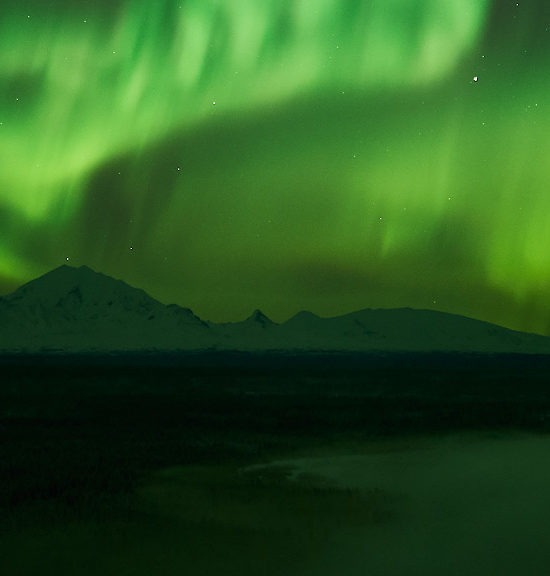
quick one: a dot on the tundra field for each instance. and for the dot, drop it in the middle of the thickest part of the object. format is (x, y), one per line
(247, 464)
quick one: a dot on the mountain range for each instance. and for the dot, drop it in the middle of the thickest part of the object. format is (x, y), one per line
(79, 310)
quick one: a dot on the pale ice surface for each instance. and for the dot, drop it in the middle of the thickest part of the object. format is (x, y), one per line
(466, 504)
(463, 504)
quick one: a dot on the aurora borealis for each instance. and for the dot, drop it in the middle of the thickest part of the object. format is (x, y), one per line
(329, 155)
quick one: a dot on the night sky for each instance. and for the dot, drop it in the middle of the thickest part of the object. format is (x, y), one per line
(328, 155)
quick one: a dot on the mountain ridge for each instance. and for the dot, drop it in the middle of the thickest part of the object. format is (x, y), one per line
(77, 309)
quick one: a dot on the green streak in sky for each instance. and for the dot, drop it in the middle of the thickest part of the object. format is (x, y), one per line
(81, 84)
(328, 155)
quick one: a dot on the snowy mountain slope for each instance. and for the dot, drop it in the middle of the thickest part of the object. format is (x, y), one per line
(77, 309)
(405, 329)
(257, 332)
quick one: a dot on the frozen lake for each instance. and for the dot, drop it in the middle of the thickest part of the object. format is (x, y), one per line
(457, 505)
(462, 504)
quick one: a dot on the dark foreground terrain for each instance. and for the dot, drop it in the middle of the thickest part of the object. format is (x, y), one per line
(202, 464)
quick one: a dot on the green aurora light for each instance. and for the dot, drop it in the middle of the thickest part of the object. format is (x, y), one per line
(332, 155)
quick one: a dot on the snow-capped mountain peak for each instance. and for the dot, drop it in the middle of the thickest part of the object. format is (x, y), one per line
(76, 309)
(72, 308)
(258, 317)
